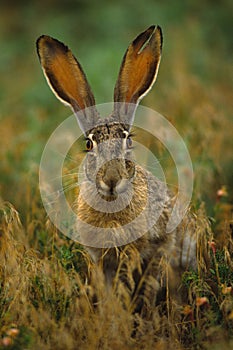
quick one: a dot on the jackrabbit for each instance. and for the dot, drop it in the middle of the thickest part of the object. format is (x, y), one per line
(122, 208)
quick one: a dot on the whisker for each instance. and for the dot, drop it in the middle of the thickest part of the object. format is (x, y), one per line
(155, 161)
(75, 160)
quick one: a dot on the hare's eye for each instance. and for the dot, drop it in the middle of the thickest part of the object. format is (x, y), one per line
(89, 145)
(129, 142)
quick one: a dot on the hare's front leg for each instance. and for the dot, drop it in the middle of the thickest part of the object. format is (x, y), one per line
(137, 280)
(147, 288)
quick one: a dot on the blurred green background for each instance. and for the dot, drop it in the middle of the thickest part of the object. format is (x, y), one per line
(193, 89)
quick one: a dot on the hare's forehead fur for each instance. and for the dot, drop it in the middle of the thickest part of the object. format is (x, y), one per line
(108, 131)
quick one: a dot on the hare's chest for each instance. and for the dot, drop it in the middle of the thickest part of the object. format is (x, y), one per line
(108, 214)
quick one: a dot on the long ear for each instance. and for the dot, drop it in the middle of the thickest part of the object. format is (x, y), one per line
(66, 78)
(139, 67)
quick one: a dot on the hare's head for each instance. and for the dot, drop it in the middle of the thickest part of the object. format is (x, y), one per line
(109, 162)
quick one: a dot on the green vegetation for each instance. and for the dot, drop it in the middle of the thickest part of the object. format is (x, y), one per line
(45, 302)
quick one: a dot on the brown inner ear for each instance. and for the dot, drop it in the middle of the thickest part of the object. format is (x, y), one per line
(139, 66)
(64, 73)
(137, 75)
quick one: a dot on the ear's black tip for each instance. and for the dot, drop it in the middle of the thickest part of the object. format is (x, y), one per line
(37, 45)
(152, 27)
(39, 41)
(47, 44)
(159, 29)
(41, 37)
(160, 34)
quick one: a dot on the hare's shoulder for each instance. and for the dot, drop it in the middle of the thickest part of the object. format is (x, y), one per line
(155, 188)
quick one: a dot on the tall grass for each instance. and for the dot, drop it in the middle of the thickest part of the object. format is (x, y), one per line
(47, 304)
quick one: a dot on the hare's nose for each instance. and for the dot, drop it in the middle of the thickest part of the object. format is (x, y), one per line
(110, 179)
